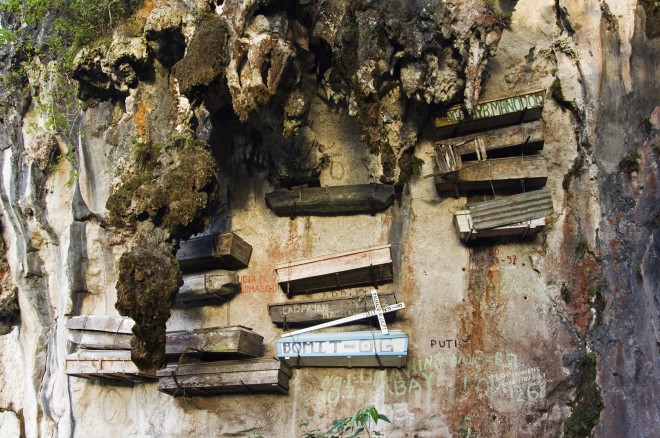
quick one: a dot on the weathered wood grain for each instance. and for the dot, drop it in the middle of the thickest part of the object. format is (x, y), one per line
(217, 251)
(215, 378)
(208, 288)
(498, 173)
(509, 210)
(309, 312)
(216, 341)
(101, 323)
(335, 271)
(351, 199)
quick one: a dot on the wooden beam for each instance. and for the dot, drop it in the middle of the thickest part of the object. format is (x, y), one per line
(115, 364)
(208, 287)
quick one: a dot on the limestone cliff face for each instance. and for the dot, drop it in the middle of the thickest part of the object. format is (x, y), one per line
(196, 109)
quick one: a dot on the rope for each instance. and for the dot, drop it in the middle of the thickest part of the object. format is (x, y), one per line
(246, 386)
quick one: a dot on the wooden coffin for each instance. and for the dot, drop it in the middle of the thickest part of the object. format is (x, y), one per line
(467, 232)
(367, 266)
(317, 311)
(352, 199)
(489, 114)
(345, 349)
(529, 173)
(208, 288)
(509, 210)
(223, 377)
(100, 332)
(215, 341)
(106, 364)
(217, 251)
(523, 139)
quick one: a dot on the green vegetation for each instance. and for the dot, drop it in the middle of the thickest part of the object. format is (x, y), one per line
(349, 427)
(630, 163)
(503, 18)
(588, 402)
(581, 247)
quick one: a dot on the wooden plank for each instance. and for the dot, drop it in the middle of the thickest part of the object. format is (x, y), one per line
(102, 323)
(310, 312)
(216, 251)
(498, 173)
(208, 287)
(345, 349)
(335, 271)
(489, 114)
(509, 210)
(216, 341)
(516, 140)
(336, 200)
(115, 364)
(215, 378)
(466, 232)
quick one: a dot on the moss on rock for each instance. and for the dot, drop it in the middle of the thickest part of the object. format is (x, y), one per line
(149, 277)
(172, 185)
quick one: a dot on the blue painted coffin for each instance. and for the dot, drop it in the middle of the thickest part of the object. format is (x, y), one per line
(345, 349)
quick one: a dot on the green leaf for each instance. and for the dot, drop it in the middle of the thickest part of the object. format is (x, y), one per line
(384, 418)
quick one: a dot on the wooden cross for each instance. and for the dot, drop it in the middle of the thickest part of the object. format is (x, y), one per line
(378, 311)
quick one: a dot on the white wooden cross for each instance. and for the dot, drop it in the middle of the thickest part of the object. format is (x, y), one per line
(378, 311)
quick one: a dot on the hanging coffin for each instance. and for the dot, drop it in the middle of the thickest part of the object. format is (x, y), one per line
(352, 199)
(217, 341)
(100, 332)
(367, 266)
(223, 377)
(106, 364)
(518, 215)
(208, 288)
(527, 172)
(317, 311)
(217, 251)
(490, 114)
(114, 333)
(345, 349)
(518, 140)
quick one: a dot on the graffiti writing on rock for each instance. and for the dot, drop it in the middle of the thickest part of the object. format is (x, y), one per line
(449, 343)
(260, 283)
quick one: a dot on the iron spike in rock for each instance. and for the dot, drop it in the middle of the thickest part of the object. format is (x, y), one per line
(489, 114)
(530, 172)
(208, 288)
(368, 266)
(225, 377)
(345, 349)
(309, 312)
(216, 251)
(329, 201)
(112, 365)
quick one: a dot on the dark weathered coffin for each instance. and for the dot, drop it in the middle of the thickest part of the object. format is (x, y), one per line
(360, 198)
(490, 114)
(509, 210)
(466, 231)
(217, 251)
(345, 349)
(516, 140)
(498, 173)
(88, 332)
(207, 288)
(217, 341)
(223, 377)
(335, 271)
(106, 364)
(317, 311)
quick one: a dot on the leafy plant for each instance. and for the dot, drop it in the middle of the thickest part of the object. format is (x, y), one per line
(356, 425)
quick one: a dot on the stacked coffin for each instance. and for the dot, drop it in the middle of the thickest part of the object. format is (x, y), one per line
(495, 148)
(371, 348)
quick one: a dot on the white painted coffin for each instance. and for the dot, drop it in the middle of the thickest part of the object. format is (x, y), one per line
(345, 349)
